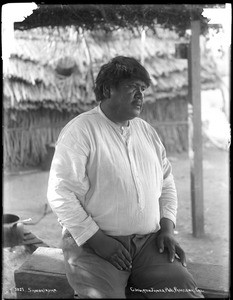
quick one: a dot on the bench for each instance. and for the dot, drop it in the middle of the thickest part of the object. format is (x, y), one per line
(43, 277)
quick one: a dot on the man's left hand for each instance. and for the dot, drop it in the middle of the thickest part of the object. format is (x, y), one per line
(167, 240)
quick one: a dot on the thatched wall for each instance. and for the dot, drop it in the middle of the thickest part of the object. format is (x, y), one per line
(169, 117)
(27, 135)
(39, 98)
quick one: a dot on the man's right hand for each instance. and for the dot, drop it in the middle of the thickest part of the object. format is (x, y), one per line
(111, 250)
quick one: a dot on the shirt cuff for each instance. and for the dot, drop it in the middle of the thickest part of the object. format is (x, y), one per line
(87, 235)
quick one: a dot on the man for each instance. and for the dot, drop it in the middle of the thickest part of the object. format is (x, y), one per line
(113, 191)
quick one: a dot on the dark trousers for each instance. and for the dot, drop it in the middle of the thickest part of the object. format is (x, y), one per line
(151, 276)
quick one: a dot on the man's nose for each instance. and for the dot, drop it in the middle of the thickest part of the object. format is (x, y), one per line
(139, 95)
(141, 89)
(140, 92)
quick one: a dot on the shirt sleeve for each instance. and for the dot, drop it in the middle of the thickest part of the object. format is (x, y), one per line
(168, 199)
(67, 186)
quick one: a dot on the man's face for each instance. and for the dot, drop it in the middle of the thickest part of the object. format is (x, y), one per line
(127, 99)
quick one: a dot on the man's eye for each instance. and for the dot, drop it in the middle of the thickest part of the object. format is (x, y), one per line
(134, 87)
(131, 87)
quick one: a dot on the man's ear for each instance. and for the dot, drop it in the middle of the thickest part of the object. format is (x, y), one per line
(106, 92)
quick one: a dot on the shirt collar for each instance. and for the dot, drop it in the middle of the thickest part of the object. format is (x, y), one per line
(118, 127)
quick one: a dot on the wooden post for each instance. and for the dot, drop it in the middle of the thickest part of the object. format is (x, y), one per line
(143, 38)
(195, 131)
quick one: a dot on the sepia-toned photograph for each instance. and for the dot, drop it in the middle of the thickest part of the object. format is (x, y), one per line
(116, 151)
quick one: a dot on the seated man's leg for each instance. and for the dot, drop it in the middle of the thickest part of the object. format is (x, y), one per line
(154, 276)
(89, 275)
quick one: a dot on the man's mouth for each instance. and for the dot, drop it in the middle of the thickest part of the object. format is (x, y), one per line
(137, 104)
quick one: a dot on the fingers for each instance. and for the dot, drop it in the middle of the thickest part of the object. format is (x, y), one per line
(181, 255)
(173, 247)
(160, 244)
(119, 263)
(175, 250)
(118, 266)
(121, 259)
(127, 257)
(171, 251)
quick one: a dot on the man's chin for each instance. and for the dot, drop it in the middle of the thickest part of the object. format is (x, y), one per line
(137, 110)
(135, 113)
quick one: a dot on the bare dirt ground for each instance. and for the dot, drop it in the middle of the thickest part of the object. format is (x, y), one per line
(24, 194)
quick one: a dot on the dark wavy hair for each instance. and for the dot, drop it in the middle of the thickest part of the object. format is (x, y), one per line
(117, 70)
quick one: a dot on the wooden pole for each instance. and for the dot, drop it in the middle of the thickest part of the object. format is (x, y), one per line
(143, 38)
(195, 131)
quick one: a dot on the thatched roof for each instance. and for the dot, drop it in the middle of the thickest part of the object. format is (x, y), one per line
(114, 16)
(35, 74)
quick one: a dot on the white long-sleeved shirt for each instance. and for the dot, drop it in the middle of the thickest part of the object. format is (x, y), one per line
(104, 177)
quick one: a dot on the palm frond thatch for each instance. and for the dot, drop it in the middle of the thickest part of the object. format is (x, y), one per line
(31, 76)
(49, 78)
(110, 17)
